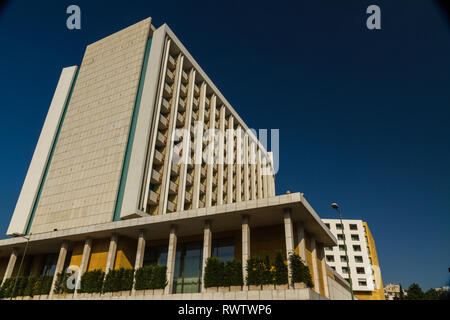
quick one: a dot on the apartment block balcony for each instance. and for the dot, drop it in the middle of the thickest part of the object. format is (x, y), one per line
(184, 77)
(196, 91)
(161, 140)
(169, 76)
(171, 63)
(180, 120)
(156, 177)
(189, 179)
(182, 105)
(167, 91)
(158, 157)
(183, 91)
(153, 198)
(188, 197)
(175, 170)
(173, 188)
(163, 122)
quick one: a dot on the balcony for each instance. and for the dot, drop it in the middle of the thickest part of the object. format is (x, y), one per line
(171, 207)
(180, 120)
(169, 76)
(181, 105)
(158, 157)
(163, 123)
(183, 91)
(189, 180)
(167, 91)
(202, 188)
(184, 77)
(203, 172)
(171, 63)
(188, 197)
(161, 140)
(175, 170)
(173, 188)
(156, 177)
(153, 198)
(165, 106)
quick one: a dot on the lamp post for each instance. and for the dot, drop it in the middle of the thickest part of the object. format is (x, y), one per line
(21, 262)
(335, 206)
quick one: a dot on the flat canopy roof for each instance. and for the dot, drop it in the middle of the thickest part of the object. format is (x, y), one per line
(263, 212)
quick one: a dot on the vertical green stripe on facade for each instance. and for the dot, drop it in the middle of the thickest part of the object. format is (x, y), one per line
(49, 160)
(126, 162)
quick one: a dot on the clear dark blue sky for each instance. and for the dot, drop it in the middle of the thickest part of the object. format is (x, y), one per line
(363, 115)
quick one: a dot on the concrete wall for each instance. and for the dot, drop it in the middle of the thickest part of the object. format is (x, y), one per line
(85, 170)
(337, 291)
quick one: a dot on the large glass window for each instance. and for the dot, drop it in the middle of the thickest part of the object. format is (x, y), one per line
(49, 264)
(188, 268)
(223, 248)
(155, 255)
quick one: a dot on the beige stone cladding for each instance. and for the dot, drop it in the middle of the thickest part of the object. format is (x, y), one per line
(84, 174)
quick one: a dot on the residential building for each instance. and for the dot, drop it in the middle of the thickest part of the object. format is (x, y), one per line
(363, 259)
(392, 291)
(124, 175)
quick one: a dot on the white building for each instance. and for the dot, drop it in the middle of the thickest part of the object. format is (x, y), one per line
(364, 267)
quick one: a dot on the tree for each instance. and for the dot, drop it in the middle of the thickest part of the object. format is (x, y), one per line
(402, 294)
(432, 294)
(415, 292)
(281, 270)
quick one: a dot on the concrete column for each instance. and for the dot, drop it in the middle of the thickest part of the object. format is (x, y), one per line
(321, 256)
(245, 247)
(259, 174)
(239, 164)
(186, 143)
(198, 148)
(220, 156)
(265, 181)
(111, 253)
(171, 258)
(84, 260)
(164, 197)
(315, 265)
(246, 170)
(60, 263)
(289, 237)
(230, 159)
(301, 241)
(140, 250)
(11, 264)
(210, 160)
(253, 170)
(207, 246)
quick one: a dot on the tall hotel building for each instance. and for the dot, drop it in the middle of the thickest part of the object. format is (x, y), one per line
(112, 184)
(365, 269)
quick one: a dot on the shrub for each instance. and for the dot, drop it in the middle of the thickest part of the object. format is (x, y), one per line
(7, 287)
(159, 277)
(280, 274)
(267, 275)
(92, 282)
(214, 272)
(255, 271)
(233, 273)
(43, 285)
(118, 280)
(299, 271)
(30, 289)
(143, 278)
(61, 283)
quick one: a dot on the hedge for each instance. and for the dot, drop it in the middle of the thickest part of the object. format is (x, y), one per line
(280, 273)
(92, 282)
(214, 272)
(61, 283)
(150, 277)
(299, 271)
(262, 271)
(26, 286)
(233, 273)
(118, 280)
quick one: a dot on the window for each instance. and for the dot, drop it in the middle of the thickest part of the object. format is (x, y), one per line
(343, 259)
(341, 247)
(155, 255)
(362, 283)
(339, 226)
(328, 248)
(345, 270)
(330, 258)
(340, 237)
(356, 248)
(50, 264)
(360, 270)
(223, 248)
(358, 259)
(355, 237)
(353, 227)
(328, 225)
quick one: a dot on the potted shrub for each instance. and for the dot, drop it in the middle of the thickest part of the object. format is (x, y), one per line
(159, 279)
(280, 272)
(143, 277)
(119, 282)
(214, 274)
(255, 271)
(233, 275)
(91, 282)
(301, 276)
(267, 275)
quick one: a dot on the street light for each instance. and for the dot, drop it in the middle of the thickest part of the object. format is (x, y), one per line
(335, 206)
(21, 262)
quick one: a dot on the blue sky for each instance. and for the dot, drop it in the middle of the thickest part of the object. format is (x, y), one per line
(363, 115)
